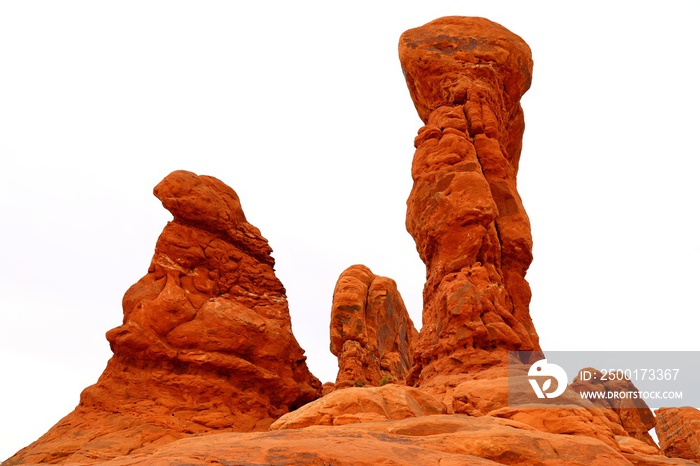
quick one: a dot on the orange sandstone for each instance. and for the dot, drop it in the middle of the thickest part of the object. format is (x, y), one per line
(206, 343)
(371, 331)
(205, 361)
(466, 77)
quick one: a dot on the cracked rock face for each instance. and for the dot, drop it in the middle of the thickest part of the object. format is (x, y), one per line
(466, 77)
(206, 343)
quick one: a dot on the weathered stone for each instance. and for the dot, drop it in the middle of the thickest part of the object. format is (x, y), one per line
(357, 405)
(466, 77)
(632, 414)
(371, 332)
(206, 349)
(206, 343)
(678, 430)
(452, 440)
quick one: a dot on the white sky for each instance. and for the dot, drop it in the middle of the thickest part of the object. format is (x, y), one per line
(302, 109)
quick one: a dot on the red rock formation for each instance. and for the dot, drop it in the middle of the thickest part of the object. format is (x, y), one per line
(359, 405)
(206, 342)
(512, 398)
(678, 430)
(371, 332)
(454, 440)
(206, 347)
(633, 415)
(466, 77)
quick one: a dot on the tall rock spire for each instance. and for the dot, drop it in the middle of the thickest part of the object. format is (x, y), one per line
(466, 77)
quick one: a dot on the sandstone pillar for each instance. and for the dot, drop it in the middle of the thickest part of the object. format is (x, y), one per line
(466, 77)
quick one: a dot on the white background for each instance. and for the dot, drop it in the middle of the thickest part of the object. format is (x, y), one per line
(302, 108)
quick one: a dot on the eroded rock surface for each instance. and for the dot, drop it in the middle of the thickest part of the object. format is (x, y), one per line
(678, 430)
(206, 343)
(359, 405)
(632, 414)
(206, 349)
(466, 77)
(455, 440)
(371, 332)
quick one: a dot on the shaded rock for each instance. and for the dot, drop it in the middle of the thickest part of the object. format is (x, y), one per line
(357, 405)
(206, 342)
(466, 77)
(371, 332)
(678, 430)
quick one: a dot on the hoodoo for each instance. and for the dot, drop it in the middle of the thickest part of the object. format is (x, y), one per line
(466, 77)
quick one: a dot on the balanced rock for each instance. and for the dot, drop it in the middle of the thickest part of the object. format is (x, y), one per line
(371, 332)
(678, 430)
(466, 77)
(206, 343)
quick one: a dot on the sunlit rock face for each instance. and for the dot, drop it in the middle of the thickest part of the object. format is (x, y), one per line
(466, 77)
(206, 343)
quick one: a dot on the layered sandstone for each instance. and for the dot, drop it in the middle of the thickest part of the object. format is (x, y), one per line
(371, 332)
(206, 343)
(466, 77)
